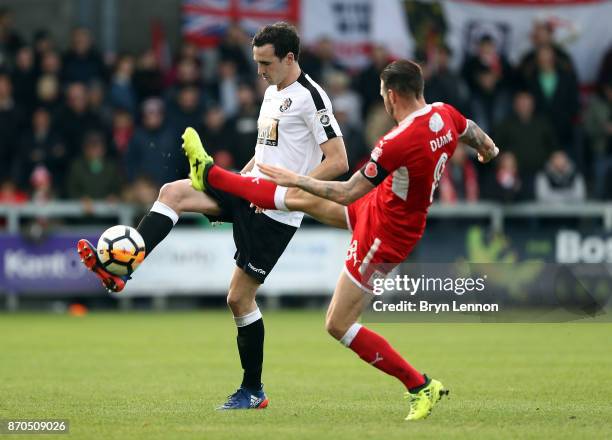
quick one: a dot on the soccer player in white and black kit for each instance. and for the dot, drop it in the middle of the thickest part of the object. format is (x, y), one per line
(296, 130)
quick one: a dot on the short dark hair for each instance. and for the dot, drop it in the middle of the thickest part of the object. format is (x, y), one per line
(282, 36)
(404, 77)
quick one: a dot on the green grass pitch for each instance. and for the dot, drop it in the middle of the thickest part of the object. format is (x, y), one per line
(160, 376)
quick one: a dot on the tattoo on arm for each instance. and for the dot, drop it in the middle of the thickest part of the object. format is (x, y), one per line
(476, 138)
(340, 192)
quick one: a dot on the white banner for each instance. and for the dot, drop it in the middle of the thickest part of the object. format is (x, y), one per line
(583, 28)
(201, 262)
(354, 25)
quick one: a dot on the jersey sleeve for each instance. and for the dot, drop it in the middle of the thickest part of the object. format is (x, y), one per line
(320, 119)
(386, 157)
(458, 119)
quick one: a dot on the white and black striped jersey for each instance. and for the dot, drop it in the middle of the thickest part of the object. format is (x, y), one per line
(292, 123)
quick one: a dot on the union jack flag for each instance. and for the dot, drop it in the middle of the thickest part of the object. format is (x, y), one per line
(205, 21)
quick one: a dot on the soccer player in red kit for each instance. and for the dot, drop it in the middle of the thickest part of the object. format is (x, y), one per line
(384, 204)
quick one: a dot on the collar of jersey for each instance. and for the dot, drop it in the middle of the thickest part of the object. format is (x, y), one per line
(415, 114)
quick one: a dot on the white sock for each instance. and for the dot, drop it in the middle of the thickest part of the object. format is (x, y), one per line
(250, 318)
(279, 198)
(350, 334)
(163, 209)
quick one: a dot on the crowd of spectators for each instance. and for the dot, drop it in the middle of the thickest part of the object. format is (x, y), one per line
(76, 125)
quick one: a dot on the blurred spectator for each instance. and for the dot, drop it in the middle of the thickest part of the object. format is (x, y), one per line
(10, 40)
(356, 150)
(41, 182)
(121, 91)
(605, 69)
(556, 95)
(11, 124)
(236, 47)
(142, 191)
(598, 126)
(442, 84)
(488, 76)
(542, 35)
(148, 79)
(10, 193)
(82, 62)
(218, 137)
(320, 60)
(367, 82)
(559, 181)
(459, 181)
(76, 119)
(504, 184)
(528, 135)
(41, 146)
(51, 63)
(243, 127)
(122, 131)
(24, 79)
(185, 111)
(93, 176)
(337, 86)
(228, 82)
(377, 124)
(98, 103)
(48, 93)
(154, 150)
(486, 59)
(43, 43)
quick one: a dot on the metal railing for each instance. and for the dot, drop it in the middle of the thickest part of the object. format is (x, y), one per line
(125, 214)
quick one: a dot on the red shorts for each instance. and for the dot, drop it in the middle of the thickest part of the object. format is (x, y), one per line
(373, 253)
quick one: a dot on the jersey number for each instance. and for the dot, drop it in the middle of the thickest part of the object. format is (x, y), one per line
(438, 174)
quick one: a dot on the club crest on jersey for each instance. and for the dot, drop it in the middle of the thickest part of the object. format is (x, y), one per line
(285, 105)
(324, 118)
(436, 123)
(371, 170)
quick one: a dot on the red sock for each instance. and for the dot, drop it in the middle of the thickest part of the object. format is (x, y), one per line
(256, 190)
(376, 351)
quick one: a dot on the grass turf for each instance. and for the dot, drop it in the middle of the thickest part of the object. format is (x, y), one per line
(160, 376)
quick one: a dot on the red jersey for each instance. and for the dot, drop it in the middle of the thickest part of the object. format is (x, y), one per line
(406, 166)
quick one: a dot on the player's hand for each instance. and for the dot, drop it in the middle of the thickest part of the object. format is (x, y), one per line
(278, 175)
(488, 155)
(258, 210)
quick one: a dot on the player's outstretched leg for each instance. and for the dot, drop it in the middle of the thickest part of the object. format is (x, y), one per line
(344, 310)
(89, 257)
(174, 198)
(204, 173)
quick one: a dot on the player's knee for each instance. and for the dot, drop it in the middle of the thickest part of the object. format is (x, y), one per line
(335, 327)
(237, 303)
(171, 194)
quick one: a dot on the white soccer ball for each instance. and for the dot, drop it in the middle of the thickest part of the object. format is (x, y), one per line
(121, 249)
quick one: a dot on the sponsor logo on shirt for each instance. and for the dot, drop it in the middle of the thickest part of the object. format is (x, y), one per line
(267, 131)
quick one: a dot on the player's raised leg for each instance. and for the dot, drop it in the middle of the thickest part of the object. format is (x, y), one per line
(250, 341)
(174, 198)
(344, 310)
(204, 172)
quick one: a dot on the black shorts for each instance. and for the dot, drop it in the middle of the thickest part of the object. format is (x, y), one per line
(260, 240)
